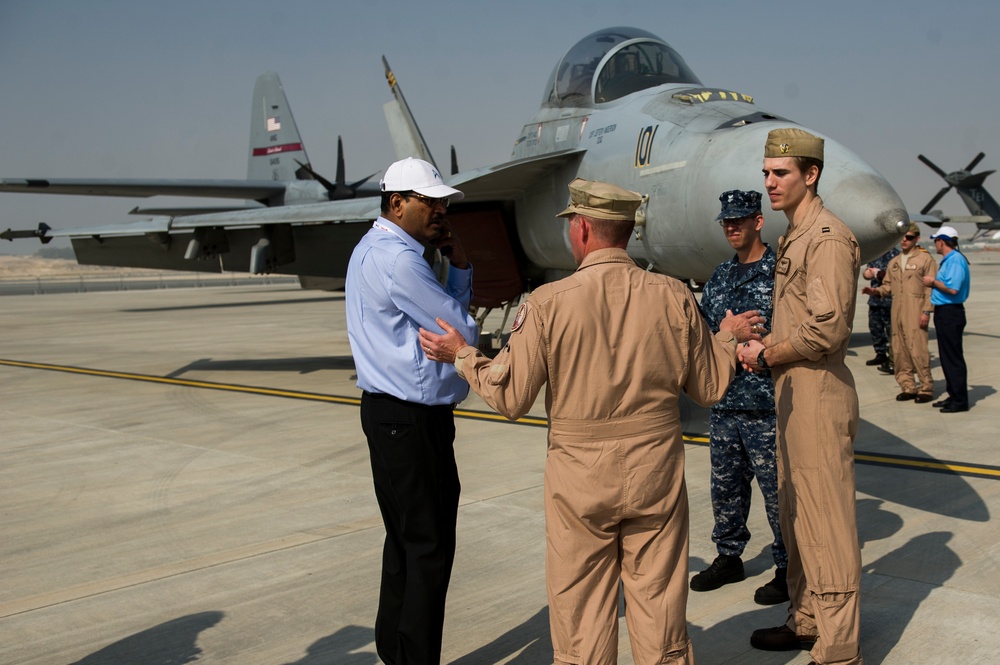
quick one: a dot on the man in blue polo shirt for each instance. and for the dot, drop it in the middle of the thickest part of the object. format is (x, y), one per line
(408, 401)
(949, 291)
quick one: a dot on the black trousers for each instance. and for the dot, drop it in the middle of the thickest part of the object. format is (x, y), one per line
(417, 487)
(949, 326)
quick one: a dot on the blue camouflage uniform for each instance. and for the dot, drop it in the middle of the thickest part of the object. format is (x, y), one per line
(879, 321)
(742, 437)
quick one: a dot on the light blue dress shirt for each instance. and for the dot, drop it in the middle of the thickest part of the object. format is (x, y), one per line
(391, 293)
(953, 273)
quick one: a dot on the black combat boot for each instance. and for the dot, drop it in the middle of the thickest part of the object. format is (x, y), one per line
(775, 591)
(724, 569)
(877, 360)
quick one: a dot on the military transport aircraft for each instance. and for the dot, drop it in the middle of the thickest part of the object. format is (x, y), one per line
(621, 105)
(983, 208)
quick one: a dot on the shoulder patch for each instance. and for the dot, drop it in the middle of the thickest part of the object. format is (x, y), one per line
(522, 313)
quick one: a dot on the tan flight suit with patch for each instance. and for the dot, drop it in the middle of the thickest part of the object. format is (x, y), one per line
(815, 288)
(910, 299)
(616, 345)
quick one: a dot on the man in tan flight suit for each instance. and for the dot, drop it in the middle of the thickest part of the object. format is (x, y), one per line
(911, 314)
(815, 288)
(616, 345)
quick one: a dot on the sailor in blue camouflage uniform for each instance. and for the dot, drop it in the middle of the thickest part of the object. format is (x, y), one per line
(879, 321)
(742, 438)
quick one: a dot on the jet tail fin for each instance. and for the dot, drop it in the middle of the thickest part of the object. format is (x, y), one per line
(276, 149)
(407, 140)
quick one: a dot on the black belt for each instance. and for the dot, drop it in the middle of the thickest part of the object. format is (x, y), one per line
(415, 405)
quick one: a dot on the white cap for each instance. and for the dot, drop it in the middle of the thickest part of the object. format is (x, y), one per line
(945, 232)
(416, 175)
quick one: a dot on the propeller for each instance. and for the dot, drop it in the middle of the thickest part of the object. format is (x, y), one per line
(340, 189)
(975, 161)
(959, 177)
(454, 161)
(934, 167)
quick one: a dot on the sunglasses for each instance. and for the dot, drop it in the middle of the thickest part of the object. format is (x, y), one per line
(909, 237)
(428, 201)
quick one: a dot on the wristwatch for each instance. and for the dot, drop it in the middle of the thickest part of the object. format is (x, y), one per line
(760, 360)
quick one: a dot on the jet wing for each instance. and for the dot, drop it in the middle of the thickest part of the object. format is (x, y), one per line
(218, 189)
(509, 180)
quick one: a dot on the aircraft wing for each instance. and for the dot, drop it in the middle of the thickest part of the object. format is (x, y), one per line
(219, 189)
(509, 180)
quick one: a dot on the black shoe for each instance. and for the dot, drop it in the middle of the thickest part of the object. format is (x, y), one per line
(775, 591)
(942, 402)
(780, 638)
(724, 569)
(877, 360)
(902, 397)
(923, 399)
(886, 368)
(953, 408)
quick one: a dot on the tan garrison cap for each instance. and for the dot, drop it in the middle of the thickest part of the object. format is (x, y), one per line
(792, 142)
(913, 229)
(601, 200)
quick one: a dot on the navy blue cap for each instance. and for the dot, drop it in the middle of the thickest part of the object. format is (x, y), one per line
(737, 204)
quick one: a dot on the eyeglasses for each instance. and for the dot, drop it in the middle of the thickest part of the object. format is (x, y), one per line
(428, 201)
(909, 237)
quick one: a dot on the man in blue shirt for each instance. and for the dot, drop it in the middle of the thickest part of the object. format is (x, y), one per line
(949, 291)
(742, 436)
(407, 401)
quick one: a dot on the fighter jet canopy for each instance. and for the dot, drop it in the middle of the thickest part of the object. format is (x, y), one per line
(612, 63)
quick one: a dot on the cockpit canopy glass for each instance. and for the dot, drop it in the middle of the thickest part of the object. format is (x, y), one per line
(629, 59)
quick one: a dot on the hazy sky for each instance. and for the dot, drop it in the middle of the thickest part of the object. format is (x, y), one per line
(126, 89)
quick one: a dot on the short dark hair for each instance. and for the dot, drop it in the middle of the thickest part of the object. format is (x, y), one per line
(951, 242)
(805, 162)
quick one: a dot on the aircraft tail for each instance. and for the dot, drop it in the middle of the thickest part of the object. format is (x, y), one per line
(976, 198)
(407, 140)
(276, 149)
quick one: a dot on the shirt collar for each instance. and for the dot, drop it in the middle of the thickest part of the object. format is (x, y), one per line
(386, 226)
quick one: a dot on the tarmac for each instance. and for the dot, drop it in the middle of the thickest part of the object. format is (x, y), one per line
(184, 478)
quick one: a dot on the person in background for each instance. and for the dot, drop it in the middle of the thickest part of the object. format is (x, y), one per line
(949, 291)
(742, 426)
(879, 313)
(911, 312)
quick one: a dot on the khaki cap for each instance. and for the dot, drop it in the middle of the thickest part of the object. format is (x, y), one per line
(601, 200)
(792, 142)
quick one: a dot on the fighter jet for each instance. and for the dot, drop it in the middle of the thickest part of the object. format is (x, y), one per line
(621, 105)
(984, 211)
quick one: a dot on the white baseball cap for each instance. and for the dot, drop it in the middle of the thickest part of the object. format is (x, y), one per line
(416, 175)
(945, 232)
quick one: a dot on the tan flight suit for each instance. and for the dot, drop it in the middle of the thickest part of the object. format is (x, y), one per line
(616, 345)
(910, 299)
(815, 288)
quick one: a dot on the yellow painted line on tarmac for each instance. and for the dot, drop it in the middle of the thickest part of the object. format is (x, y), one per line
(895, 461)
(958, 468)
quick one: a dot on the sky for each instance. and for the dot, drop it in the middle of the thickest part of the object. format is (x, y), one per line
(126, 89)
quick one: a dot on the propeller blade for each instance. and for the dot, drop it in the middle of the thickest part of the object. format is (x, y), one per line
(975, 161)
(340, 162)
(936, 198)
(454, 161)
(335, 191)
(932, 166)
